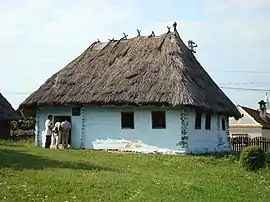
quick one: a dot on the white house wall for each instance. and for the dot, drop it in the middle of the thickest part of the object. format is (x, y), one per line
(101, 123)
(206, 140)
(252, 132)
(42, 115)
(266, 133)
(105, 123)
(247, 119)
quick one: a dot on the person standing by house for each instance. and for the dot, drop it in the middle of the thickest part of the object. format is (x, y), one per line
(66, 127)
(48, 131)
(56, 135)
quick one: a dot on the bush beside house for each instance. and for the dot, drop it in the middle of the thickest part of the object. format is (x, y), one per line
(252, 158)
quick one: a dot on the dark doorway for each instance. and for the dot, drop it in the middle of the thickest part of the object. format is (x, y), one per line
(4, 129)
(61, 119)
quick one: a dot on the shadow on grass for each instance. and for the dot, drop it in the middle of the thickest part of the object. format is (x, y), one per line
(18, 160)
(11, 144)
(218, 155)
(16, 143)
(235, 156)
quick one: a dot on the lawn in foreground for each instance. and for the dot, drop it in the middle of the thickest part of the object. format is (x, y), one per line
(33, 174)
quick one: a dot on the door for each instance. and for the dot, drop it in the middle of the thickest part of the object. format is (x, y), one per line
(61, 119)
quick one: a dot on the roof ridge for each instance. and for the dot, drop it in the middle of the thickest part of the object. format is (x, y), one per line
(124, 38)
(255, 109)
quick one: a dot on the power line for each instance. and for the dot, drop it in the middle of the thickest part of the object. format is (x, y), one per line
(15, 93)
(241, 71)
(245, 89)
(245, 83)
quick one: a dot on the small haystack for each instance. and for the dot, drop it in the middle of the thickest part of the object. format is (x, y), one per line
(144, 70)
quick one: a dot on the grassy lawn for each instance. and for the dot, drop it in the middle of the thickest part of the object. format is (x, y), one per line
(32, 174)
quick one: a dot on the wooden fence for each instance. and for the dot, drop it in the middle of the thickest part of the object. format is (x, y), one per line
(239, 143)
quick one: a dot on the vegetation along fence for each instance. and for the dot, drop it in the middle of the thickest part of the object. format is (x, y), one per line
(239, 143)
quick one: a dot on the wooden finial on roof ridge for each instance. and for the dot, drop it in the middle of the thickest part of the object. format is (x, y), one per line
(139, 32)
(152, 34)
(174, 27)
(125, 35)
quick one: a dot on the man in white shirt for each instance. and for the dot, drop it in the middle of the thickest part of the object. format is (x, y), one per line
(65, 126)
(48, 131)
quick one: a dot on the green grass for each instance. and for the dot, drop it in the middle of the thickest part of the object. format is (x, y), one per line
(33, 174)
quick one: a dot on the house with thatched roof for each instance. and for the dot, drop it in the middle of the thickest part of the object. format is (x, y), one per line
(147, 88)
(7, 114)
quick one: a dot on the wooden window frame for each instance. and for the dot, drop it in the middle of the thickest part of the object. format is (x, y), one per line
(198, 118)
(223, 123)
(123, 124)
(76, 111)
(208, 119)
(154, 119)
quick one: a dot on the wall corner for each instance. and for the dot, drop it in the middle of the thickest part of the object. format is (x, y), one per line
(37, 129)
(227, 127)
(183, 143)
(82, 138)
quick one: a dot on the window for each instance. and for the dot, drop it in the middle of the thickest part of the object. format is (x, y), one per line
(76, 111)
(218, 122)
(158, 120)
(207, 121)
(198, 119)
(223, 124)
(127, 120)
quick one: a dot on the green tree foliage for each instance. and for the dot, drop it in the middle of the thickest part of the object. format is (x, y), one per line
(23, 124)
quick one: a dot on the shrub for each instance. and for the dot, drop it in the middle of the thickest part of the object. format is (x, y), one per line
(23, 124)
(252, 158)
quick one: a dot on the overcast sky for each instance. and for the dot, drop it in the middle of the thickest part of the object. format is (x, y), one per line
(39, 37)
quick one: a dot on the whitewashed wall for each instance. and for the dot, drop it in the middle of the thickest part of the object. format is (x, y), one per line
(206, 140)
(246, 119)
(252, 132)
(102, 123)
(266, 133)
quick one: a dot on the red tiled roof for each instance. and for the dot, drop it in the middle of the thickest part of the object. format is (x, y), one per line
(265, 122)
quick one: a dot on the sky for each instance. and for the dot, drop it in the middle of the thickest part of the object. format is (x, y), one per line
(38, 38)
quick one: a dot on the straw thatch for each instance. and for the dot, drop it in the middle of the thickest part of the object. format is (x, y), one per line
(145, 70)
(7, 113)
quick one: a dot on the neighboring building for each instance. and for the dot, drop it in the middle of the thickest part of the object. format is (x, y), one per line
(7, 114)
(147, 88)
(254, 122)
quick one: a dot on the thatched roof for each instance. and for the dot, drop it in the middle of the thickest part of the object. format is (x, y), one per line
(144, 70)
(7, 113)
